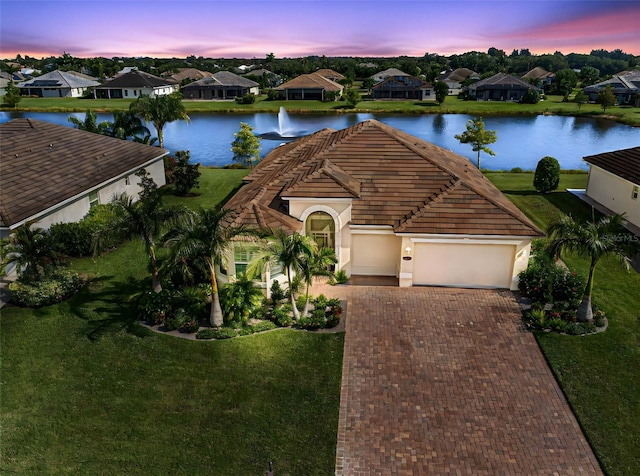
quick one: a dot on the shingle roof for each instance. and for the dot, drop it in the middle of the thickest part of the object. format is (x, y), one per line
(624, 82)
(136, 79)
(311, 81)
(190, 73)
(624, 163)
(392, 178)
(224, 78)
(44, 164)
(60, 79)
(538, 73)
(459, 74)
(501, 80)
(390, 72)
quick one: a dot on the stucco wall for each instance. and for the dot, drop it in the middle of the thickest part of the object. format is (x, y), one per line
(614, 193)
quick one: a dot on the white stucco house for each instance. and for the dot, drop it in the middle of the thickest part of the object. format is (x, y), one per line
(58, 84)
(614, 182)
(51, 173)
(389, 204)
(135, 84)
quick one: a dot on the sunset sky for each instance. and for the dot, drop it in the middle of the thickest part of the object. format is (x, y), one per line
(247, 29)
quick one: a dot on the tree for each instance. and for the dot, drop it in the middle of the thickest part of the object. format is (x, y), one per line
(31, 250)
(580, 98)
(606, 98)
(185, 175)
(547, 176)
(478, 137)
(594, 240)
(245, 146)
(239, 298)
(289, 250)
(588, 75)
(565, 81)
(367, 83)
(90, 123)
(352, 97)
(11, 94)
(160, 110)
(126, 125)
(442, 90)
(320, 263)
(532, 96)
(204, 236)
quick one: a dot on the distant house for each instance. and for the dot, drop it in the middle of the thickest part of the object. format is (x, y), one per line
(330, 74)
(135, 84)
(500, 87)
(190, 74)
(58, 84)
(626, 87)
(52, 173)
(309, 86)
(539, 76)
(221, 85)
(403, 87)
(456, 77)
(614, 182)
(5, 79)
(387, 73)
(266, 78)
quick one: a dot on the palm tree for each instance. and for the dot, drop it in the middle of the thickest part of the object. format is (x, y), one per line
(30, 249)
(593, 240)
(126, 125)
(90, 123)
(318, 264)
(289, 250)
(204, 236)
(160, 110)
(239, 298)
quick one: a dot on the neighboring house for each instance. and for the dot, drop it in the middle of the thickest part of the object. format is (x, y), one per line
(5, 79)
(456, 77)
(331, 74)
(221, 85)
(387, 73)
(135, 84)
(269, 79)
(500, 87)
(58, 84)
(389, 204)
(190, 74)
(309, 86)
(614, 181)
(403, 88)
(626, 87)
(539, 76)
(51, 173)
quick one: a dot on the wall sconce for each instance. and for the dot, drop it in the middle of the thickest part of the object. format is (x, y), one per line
(408, 250)
(407, 256)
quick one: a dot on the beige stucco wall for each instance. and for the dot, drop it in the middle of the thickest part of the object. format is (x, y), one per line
(614, 193)
(375, 253)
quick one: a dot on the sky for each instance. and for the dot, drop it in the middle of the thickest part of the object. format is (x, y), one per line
(296, 28)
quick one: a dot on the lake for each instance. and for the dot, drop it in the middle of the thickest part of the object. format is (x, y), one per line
(522, 141)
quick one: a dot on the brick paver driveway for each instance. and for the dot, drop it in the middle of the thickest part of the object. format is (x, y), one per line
(447, 381)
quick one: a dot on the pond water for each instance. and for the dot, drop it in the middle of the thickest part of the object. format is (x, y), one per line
(522, 141)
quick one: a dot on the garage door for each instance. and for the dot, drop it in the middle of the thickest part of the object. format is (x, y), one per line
(375, 255)
(463, 265)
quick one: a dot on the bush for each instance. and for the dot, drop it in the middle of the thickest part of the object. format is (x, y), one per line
(334, 313)
(154, 307)
(281, 315)
(186, 175)
(222, 333)
(536, 282)
(175, 320)
(277, 293)
(77, 238)
(263, 326)
(599, 318)
(538, 318)
(558, 325)
(61, 284)
(547, 175)
(190, 326)
(530, 97)
(339, 278)
(516, 170)
(249, 98)
(568, 287)
(316, 320)
(273, 95)
(330, 96)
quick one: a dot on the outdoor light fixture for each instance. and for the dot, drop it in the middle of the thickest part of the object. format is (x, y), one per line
(408, 250)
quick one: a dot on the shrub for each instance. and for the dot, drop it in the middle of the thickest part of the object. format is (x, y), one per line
(277, 293)
(281, 315)
(516, 170)
(568, 287)
(273, 95)
(185, 174)
(190, 326)
(245, 331)
(547, 175)
(598, 318)
(193, 300)
(334, 313)
(263, 326)
(248, 98)
(222, 333)
(316, 320)
(330, 96)
(77, 238)
(339, 278)
(558, 325)
(580, 328)
(536, 282)
(530, 97)
(175, 320)
(61, 284)
(154, 307)
(538, 318)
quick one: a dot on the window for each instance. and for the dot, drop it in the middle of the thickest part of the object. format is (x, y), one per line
(126, 92)
(636, 191)
(93, 199)
(242, 256)
(322, 229)
(127, 180)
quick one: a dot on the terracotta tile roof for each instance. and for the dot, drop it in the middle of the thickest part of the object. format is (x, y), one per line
(44, 164)
(624, 163)
(136, 79)
(393, 179)
(311, 81)
(330, 74)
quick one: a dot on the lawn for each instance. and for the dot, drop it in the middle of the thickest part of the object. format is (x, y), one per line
(600, 374)
(86, 390)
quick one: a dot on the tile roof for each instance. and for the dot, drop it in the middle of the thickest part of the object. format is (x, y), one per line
(538, 73)
(389, 72)
(330, 74)
(624, 82)
(44, 164)
(459, 75)
(60, 79)
(311, 81)
(136, 79)
(501, 80)
(392, 178)
(190, 73)
(223, 78)
(624, 163)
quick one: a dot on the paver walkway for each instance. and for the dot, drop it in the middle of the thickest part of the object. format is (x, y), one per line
(447, 381)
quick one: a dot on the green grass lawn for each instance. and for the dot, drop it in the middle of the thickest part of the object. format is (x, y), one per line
(600, 374)
(86, 390)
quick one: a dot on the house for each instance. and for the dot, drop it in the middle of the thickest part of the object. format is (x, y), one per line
(455, 78)
(331, 74)
(626, 87)
(403, 88)
(614, 182)
(221, 85)
(266, 78)
(58, 84)
(539, 76)
(309, 86)
(5, 79)
(387, 73)
(186, 75)
(500, 87)
(389, 204)
(134, 84)
(51, 173)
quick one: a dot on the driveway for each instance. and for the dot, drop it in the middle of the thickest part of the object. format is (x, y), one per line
(447, 381)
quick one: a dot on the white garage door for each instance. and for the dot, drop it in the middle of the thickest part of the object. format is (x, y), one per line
(463, 265)
(375, 255)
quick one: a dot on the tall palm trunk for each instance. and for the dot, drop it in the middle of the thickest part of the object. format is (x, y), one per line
(296, 313)
(585, 310)
(155, 273)
(215, 315)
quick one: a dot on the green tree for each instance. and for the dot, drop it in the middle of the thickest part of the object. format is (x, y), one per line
(238, 298)
(478, 137)
(588, 75)
(90, 123)
(204, 236)
(606, 98)
(11, 94)
(594, 240)
(31, 250)
(367, 83)
(160, 110)
(580, 98)
(532, 96)
(442, 90)
(564, 82)
(126, 125)
(547, 176)
(245, 146)
(320, 263)
(352, 97)
(185, 175)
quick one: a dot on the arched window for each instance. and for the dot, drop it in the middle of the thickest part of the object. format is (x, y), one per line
(322, 229)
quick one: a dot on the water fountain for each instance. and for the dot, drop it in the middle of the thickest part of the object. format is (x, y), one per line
(285, 130)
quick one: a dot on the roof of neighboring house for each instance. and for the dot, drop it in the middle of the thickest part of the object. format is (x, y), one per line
(331, 74)
(190, 73)
(459, 75)
(223, 78)
(390, 72)
(260, 72)
(5, 75)
(136, 79)
(624, 163)
(626, 81)
(311, 81)
(402, 82)
(501, 80)
(538, 73)
(392, 178)
(44, 164)
(60, 79)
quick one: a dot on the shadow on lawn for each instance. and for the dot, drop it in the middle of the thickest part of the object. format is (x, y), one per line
(109, 306)
(563, 201)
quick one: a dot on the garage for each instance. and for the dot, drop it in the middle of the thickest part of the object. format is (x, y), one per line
(375, 255)
(463, 265)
